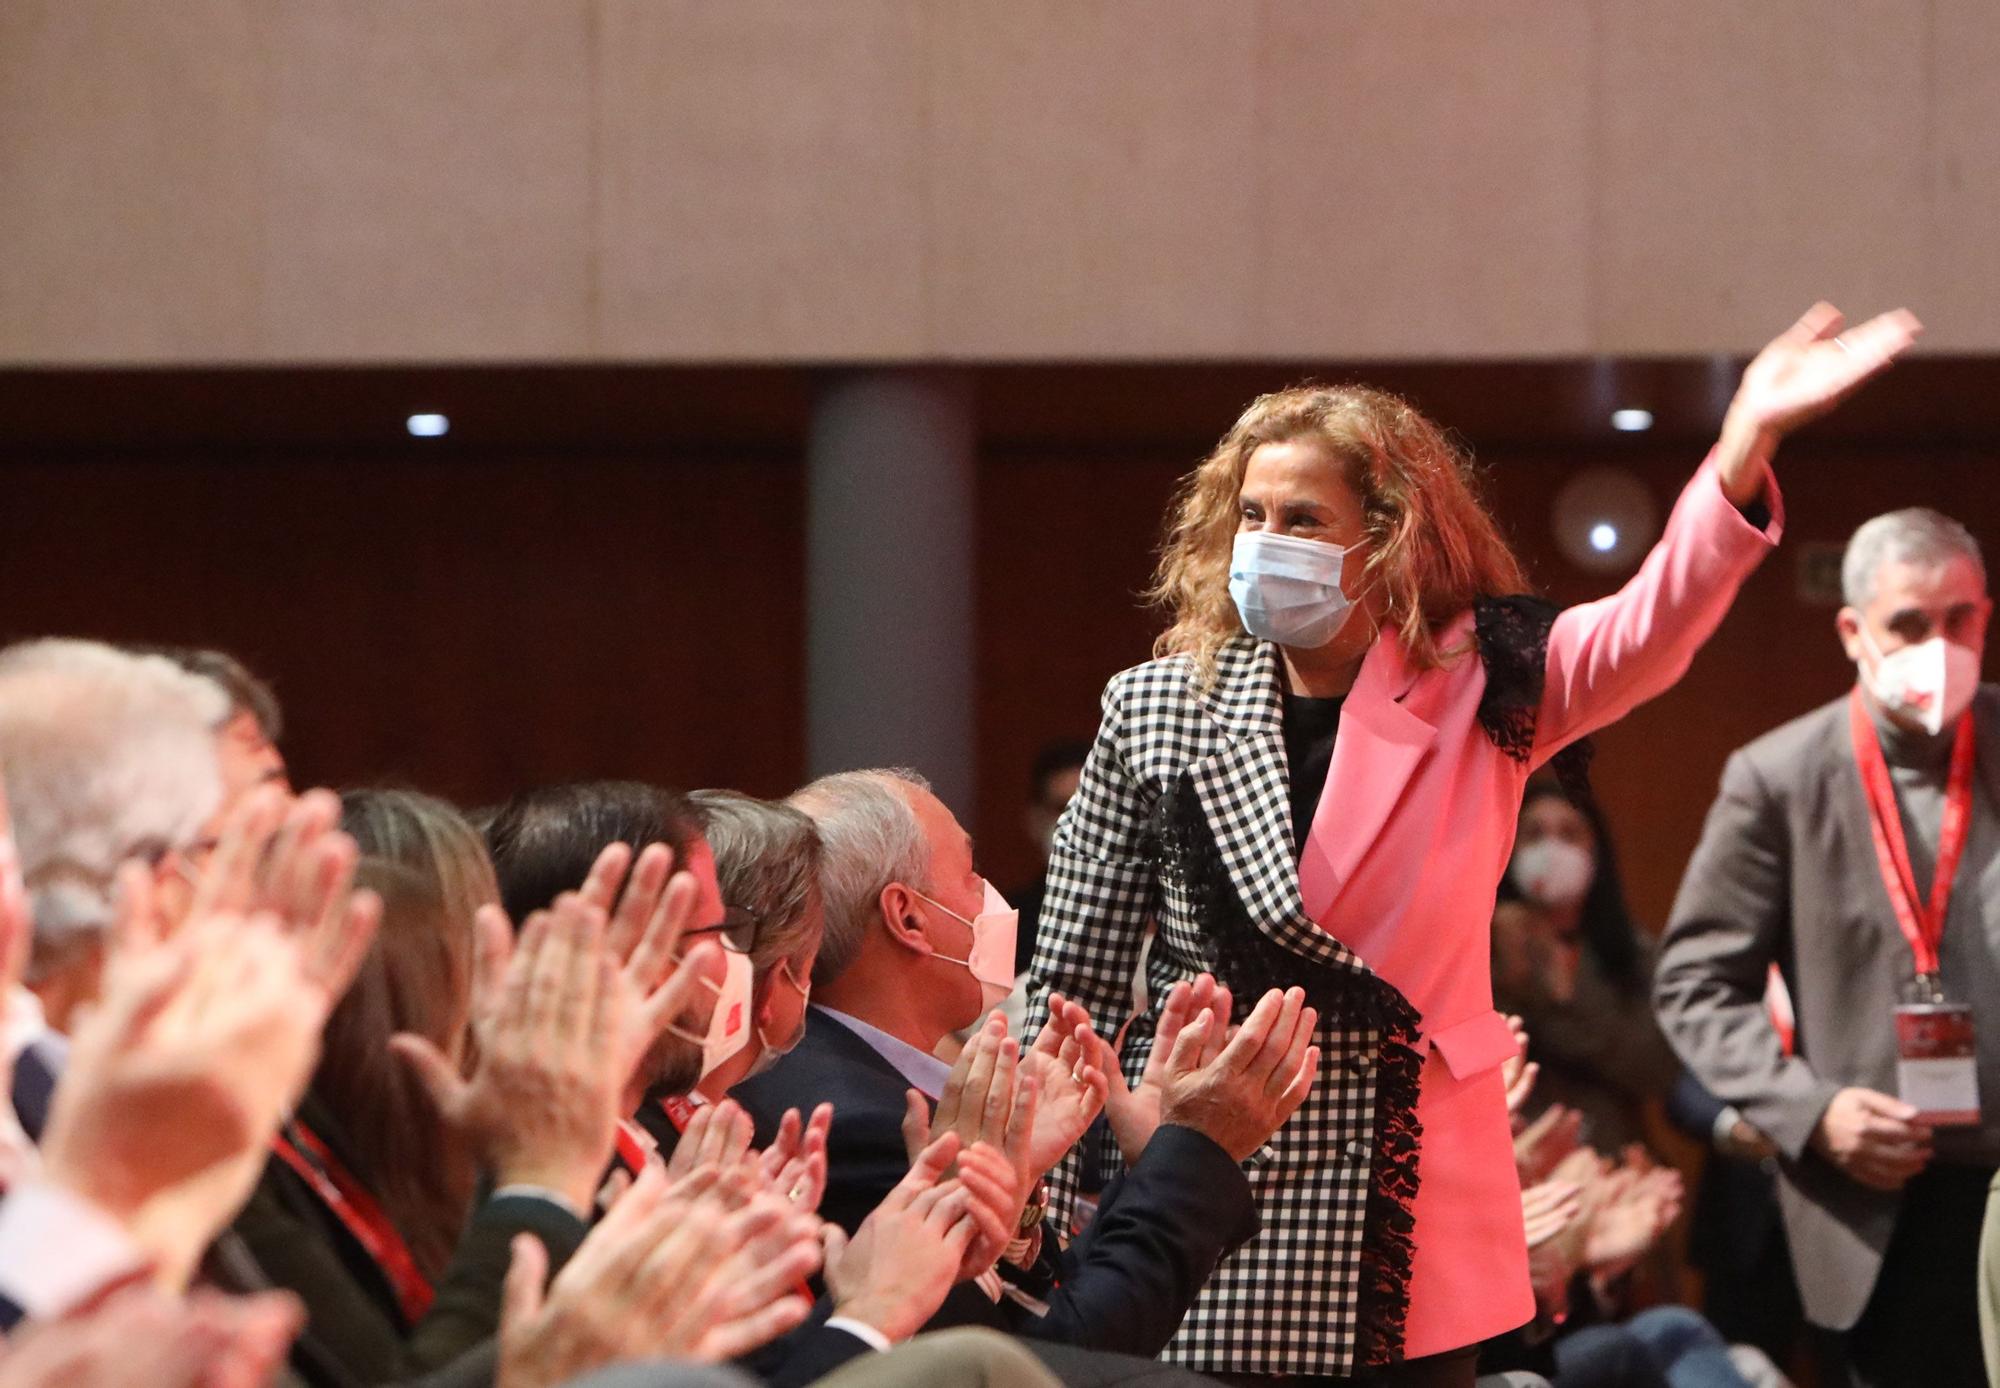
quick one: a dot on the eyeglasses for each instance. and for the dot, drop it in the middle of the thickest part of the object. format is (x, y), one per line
(739, 928)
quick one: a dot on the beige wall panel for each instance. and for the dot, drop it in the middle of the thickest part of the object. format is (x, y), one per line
(429, 180)
(1094, 191)
(1754, 158)
(1962, 310)
(1425, 177)
(761, 184)
(129, 195)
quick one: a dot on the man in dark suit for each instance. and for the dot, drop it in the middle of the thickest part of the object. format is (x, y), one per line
(1830, 853)
(910, 956)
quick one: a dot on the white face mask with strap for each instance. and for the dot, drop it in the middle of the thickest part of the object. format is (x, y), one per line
(1929, 683)
(1287, 589)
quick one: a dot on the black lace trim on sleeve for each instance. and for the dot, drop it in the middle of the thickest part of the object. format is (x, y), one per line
(1513, 634)
(1251, 963)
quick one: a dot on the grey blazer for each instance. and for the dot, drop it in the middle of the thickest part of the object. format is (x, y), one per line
(1786, 873)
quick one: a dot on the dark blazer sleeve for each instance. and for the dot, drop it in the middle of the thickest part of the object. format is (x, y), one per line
(350, 1312)
(467, 1308)
(1128, 1281)
(1729, 922)
(806, 1354)
(1693, 1109)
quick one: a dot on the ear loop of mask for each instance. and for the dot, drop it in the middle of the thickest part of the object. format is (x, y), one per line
(804, 990)
(968, 924)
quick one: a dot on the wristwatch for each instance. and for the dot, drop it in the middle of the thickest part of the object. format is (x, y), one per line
(1035, 1211)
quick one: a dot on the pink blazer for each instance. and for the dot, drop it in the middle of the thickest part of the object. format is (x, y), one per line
(1408, 845)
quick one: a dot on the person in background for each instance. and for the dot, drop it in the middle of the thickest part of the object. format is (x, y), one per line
(249, 735)
(548, 840)
(1051, 782)
(1568, 961)
(1857, 848)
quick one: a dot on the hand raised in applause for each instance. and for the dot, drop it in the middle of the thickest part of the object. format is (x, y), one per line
(1242, 1093)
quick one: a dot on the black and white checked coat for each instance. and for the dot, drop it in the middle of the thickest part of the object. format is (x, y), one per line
(1287, 1302)
(1183, 819)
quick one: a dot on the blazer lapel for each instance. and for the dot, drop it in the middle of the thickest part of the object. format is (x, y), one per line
(1380, 743)
(1245, 794)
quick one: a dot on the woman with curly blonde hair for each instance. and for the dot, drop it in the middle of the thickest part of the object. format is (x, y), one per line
(1315, 786)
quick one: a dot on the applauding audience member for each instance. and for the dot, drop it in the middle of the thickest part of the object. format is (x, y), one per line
(369, 1210)
(109, 756)
(546, 841)
(203, 1039)
(909, 956)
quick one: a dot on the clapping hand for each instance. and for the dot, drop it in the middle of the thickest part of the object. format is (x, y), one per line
(207, 1340)
(670, 1272)
(1628, 1211)
(991, 1105)
(647, 922)
(1800, 375)
(1519, 1074)
(903, 1260)
(1544, 1144)
(543, 1104)
(1552, 1212)
(203, 1039)
(1072, 1082)
(1134, 1113)
(1242, 1093)
(793, 1167)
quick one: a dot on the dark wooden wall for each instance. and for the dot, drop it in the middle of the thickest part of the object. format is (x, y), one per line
(600, 573)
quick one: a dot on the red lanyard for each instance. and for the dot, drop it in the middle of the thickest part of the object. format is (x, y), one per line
(1924, 929)
(631, 1150)
(679, 1111)
(355, 1208)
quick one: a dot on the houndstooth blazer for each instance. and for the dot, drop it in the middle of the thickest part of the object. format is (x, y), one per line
(1112, 872)
(1182, 819)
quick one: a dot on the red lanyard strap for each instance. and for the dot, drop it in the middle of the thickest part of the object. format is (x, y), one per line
(1922, 926)
(299, 1148)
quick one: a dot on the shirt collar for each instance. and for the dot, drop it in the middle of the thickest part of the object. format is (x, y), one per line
(923, 1070)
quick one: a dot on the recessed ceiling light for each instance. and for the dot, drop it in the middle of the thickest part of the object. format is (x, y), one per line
(1630, 421)
(428, 426)
(1604, 537)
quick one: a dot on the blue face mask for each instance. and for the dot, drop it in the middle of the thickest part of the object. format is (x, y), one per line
(1287, 589)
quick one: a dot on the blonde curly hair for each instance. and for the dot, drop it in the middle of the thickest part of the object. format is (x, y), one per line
(1432, 546)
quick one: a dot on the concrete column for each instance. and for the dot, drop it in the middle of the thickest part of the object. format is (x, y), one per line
(889, 571)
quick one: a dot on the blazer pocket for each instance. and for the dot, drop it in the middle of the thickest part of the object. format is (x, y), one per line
(1478, 1043)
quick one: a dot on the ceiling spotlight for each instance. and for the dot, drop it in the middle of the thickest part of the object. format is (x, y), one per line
(427, 426)
(1603, 519)
(1629, 421)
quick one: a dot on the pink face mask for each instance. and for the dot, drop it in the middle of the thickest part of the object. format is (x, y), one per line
(991, 959)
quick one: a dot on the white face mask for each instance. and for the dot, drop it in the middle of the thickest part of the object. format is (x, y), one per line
(730, 1025)
(1287, 589)
(1929, 683)
(769, 1054)
(991, 959)
(1550, 872)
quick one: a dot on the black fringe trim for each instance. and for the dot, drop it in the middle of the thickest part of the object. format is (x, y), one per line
(1513, 637)
(1251, 963)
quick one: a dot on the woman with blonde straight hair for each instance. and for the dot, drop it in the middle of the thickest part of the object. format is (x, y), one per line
(1315, 786)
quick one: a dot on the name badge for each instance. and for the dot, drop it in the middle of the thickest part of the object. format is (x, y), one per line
(1936, 1066)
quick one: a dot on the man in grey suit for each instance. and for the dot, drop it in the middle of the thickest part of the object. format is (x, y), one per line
(1800, 867)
